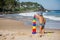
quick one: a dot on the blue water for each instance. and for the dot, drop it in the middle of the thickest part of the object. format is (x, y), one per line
(54, 13)
(54, 20)
(50, 23)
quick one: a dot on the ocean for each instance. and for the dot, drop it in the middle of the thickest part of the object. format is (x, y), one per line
(53, 15)
(52, 18)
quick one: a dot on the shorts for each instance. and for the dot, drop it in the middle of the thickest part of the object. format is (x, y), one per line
(42, 25)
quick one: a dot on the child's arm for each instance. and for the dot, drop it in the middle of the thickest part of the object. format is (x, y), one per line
(44, 20)
(37, 16)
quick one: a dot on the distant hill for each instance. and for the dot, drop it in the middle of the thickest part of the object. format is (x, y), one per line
(30, 6)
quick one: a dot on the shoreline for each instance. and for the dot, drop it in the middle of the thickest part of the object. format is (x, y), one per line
(16, 30)
(22, 20)
(10, 22)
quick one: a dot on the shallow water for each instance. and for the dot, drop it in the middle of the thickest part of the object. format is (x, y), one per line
(51, 22)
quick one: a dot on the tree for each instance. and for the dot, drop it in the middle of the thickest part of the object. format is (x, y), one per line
(30, 6)
(9, 5)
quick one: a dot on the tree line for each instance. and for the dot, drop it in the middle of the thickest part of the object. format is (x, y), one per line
(30, 6)
(9, 5)
(15, 6)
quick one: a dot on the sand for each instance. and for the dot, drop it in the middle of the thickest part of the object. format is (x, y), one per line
(16, 30)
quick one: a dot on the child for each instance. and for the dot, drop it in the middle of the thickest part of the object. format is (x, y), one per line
(42, 22)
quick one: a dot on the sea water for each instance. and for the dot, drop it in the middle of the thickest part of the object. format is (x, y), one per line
(52, 18)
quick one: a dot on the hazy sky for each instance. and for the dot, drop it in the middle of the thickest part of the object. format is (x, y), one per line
(47, 4)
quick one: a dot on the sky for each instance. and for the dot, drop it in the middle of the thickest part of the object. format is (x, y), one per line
(47, 4)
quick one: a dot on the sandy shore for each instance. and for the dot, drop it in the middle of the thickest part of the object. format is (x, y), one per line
(16, 30)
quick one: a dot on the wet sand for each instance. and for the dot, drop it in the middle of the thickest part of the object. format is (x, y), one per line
(17, 30)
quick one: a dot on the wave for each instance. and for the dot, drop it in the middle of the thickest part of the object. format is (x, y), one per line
(52, 17)
(28, 14)
(44, 14)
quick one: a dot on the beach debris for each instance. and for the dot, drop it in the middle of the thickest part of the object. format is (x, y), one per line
(0, 34)
(48, 34)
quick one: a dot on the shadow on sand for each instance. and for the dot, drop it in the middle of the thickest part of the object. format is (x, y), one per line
(46, 32)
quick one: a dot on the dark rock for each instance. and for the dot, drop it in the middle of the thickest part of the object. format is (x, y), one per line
(0, 34)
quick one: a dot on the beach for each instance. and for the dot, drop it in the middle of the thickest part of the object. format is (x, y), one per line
(16, 30)
(29, 20)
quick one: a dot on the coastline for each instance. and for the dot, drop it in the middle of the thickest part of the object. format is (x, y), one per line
(51, 21)
(16, 30)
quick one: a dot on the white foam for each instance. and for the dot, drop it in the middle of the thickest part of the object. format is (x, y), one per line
(46, 16)
(28, 14)
(52, 17)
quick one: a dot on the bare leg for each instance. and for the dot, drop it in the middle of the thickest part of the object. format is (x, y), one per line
(40, 31)
(43, 31)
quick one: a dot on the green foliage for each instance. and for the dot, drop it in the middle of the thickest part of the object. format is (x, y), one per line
(15, 6)
(30, 6)
(9, 5)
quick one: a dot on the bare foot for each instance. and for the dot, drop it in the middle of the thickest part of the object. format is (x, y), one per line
(40, 35)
